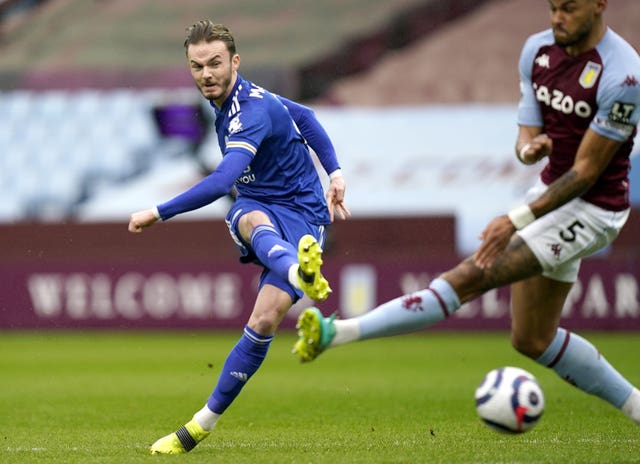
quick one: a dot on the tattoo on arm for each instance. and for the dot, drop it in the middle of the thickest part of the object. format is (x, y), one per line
(563, 190)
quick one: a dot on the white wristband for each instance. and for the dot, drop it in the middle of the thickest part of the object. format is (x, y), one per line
(524, 148)
(521, 216)
(156, 213)
(336, 173)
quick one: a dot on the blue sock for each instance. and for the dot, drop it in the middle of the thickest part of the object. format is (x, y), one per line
(410, 312)
(579, 362)
(243, 361)
(272, 251)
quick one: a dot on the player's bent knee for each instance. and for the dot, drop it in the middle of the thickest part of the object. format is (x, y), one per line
(265, 322)
(254, 218)
(263, 325)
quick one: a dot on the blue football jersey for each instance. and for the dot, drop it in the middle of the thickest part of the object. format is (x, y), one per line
(281, 171)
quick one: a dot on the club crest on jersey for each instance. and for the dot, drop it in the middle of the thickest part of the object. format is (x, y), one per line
(235, 125)
(590, 75)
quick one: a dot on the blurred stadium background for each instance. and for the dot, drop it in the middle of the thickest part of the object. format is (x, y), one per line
(99, 118)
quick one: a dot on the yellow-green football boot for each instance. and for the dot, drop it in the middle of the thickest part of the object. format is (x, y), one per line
(315, 332)
(310, 280)
(181, 441)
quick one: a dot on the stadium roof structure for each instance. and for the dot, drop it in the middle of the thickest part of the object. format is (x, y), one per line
(296, 47)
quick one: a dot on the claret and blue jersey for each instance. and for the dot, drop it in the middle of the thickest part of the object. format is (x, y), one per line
(565, 95)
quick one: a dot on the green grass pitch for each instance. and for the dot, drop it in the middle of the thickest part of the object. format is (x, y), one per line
(104, 397)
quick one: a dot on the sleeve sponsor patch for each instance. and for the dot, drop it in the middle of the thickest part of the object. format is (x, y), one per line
(621, 112)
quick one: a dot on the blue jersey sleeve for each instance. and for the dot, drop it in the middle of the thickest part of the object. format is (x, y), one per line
(313, 132)
(214, 186)
(248, 129)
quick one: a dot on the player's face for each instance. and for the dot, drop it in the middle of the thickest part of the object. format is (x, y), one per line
(572, 20)
(213, 69)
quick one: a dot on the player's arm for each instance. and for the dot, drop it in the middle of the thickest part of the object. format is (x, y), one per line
(531, 144)
(594, 154)
(214, 186)
(314, 133)
(318, 139)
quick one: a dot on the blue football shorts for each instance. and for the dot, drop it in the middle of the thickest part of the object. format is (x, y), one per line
(561, 238)
(291, 226)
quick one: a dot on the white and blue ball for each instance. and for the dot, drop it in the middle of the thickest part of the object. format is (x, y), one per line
(510, 400)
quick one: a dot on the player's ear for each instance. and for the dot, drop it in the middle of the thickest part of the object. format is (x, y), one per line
(235, 62)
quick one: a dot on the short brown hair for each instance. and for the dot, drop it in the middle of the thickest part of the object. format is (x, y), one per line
(207, 31)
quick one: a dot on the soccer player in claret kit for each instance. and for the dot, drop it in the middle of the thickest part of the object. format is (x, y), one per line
(579, 108)
(278, 218)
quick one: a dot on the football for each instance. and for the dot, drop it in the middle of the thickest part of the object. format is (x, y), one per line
(510, 400)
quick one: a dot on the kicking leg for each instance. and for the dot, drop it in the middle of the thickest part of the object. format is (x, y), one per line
(271, 249)
(300, 267)
(405, 314)
(415, 311)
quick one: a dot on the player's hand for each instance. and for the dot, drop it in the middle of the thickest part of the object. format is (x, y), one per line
(141, 219)
(495, 238)
(335, 198)
(539, 147)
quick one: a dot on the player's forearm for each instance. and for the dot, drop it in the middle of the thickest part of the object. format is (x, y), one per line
(594, 155)
(567, 187)
(532, 145)
(203, 193)
(214, 186)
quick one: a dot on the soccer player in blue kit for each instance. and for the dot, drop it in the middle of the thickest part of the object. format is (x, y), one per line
(579, 108)
(280, 202)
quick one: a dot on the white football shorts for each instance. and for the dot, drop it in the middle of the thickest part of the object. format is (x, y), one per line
(561, 238)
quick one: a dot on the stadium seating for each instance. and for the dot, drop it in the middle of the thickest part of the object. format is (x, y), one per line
(61, 147)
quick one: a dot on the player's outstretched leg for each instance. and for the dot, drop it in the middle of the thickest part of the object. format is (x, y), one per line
(315, 332)
(310, 280)
(404, 314)
(181, 441)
